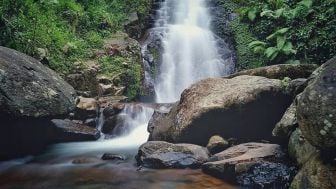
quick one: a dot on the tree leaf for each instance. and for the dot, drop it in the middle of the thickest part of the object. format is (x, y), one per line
(259, 50)
(279, 12)
(252, 14)
(271, 36)
(306, 3)
(271, 53)
(282, 30)
(242, 11)
(281, 40)
(268, 13)
(288, 48)
(256, 43)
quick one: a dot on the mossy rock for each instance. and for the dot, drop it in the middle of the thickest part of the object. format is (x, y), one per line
(316, 109)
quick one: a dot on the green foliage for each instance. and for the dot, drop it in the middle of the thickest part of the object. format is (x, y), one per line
(242, 36)
(129, 73)
(282, 47)
(70, 31)
(292, 31)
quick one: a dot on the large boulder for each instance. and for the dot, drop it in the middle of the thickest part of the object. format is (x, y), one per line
(299, 149)
(316, 109)
(316, 174)
(251, 165)
(244, 107)
(157, 154)
(30, 94)
(29, 89)
(68, 131)
(280, 71)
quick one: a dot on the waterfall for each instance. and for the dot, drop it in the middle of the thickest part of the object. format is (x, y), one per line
(190, 50)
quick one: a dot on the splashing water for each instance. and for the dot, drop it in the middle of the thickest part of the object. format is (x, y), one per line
(131, 132)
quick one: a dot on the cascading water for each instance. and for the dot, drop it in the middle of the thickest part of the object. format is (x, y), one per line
(130, 132)
(190, 53)
(190, 50)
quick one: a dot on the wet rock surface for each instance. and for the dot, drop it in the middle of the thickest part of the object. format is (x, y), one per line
(157, 154)
(110, 123)
(69, 131)
(109, 156)
(254, 165)
(113, 109)
(217, 106)
(267, 175)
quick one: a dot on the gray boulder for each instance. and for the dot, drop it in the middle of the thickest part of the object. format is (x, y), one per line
(252, 165)
(316, 109)
(30, 95)
(68, 131)
(244, 107)
(158, 154)
(29, 89)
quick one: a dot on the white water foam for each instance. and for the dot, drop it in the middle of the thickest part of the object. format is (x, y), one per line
(132, 132)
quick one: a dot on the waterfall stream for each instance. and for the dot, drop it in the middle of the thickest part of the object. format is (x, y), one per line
(190, 50)
(189, 54)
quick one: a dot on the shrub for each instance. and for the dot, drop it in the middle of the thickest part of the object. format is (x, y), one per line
(310, 35)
